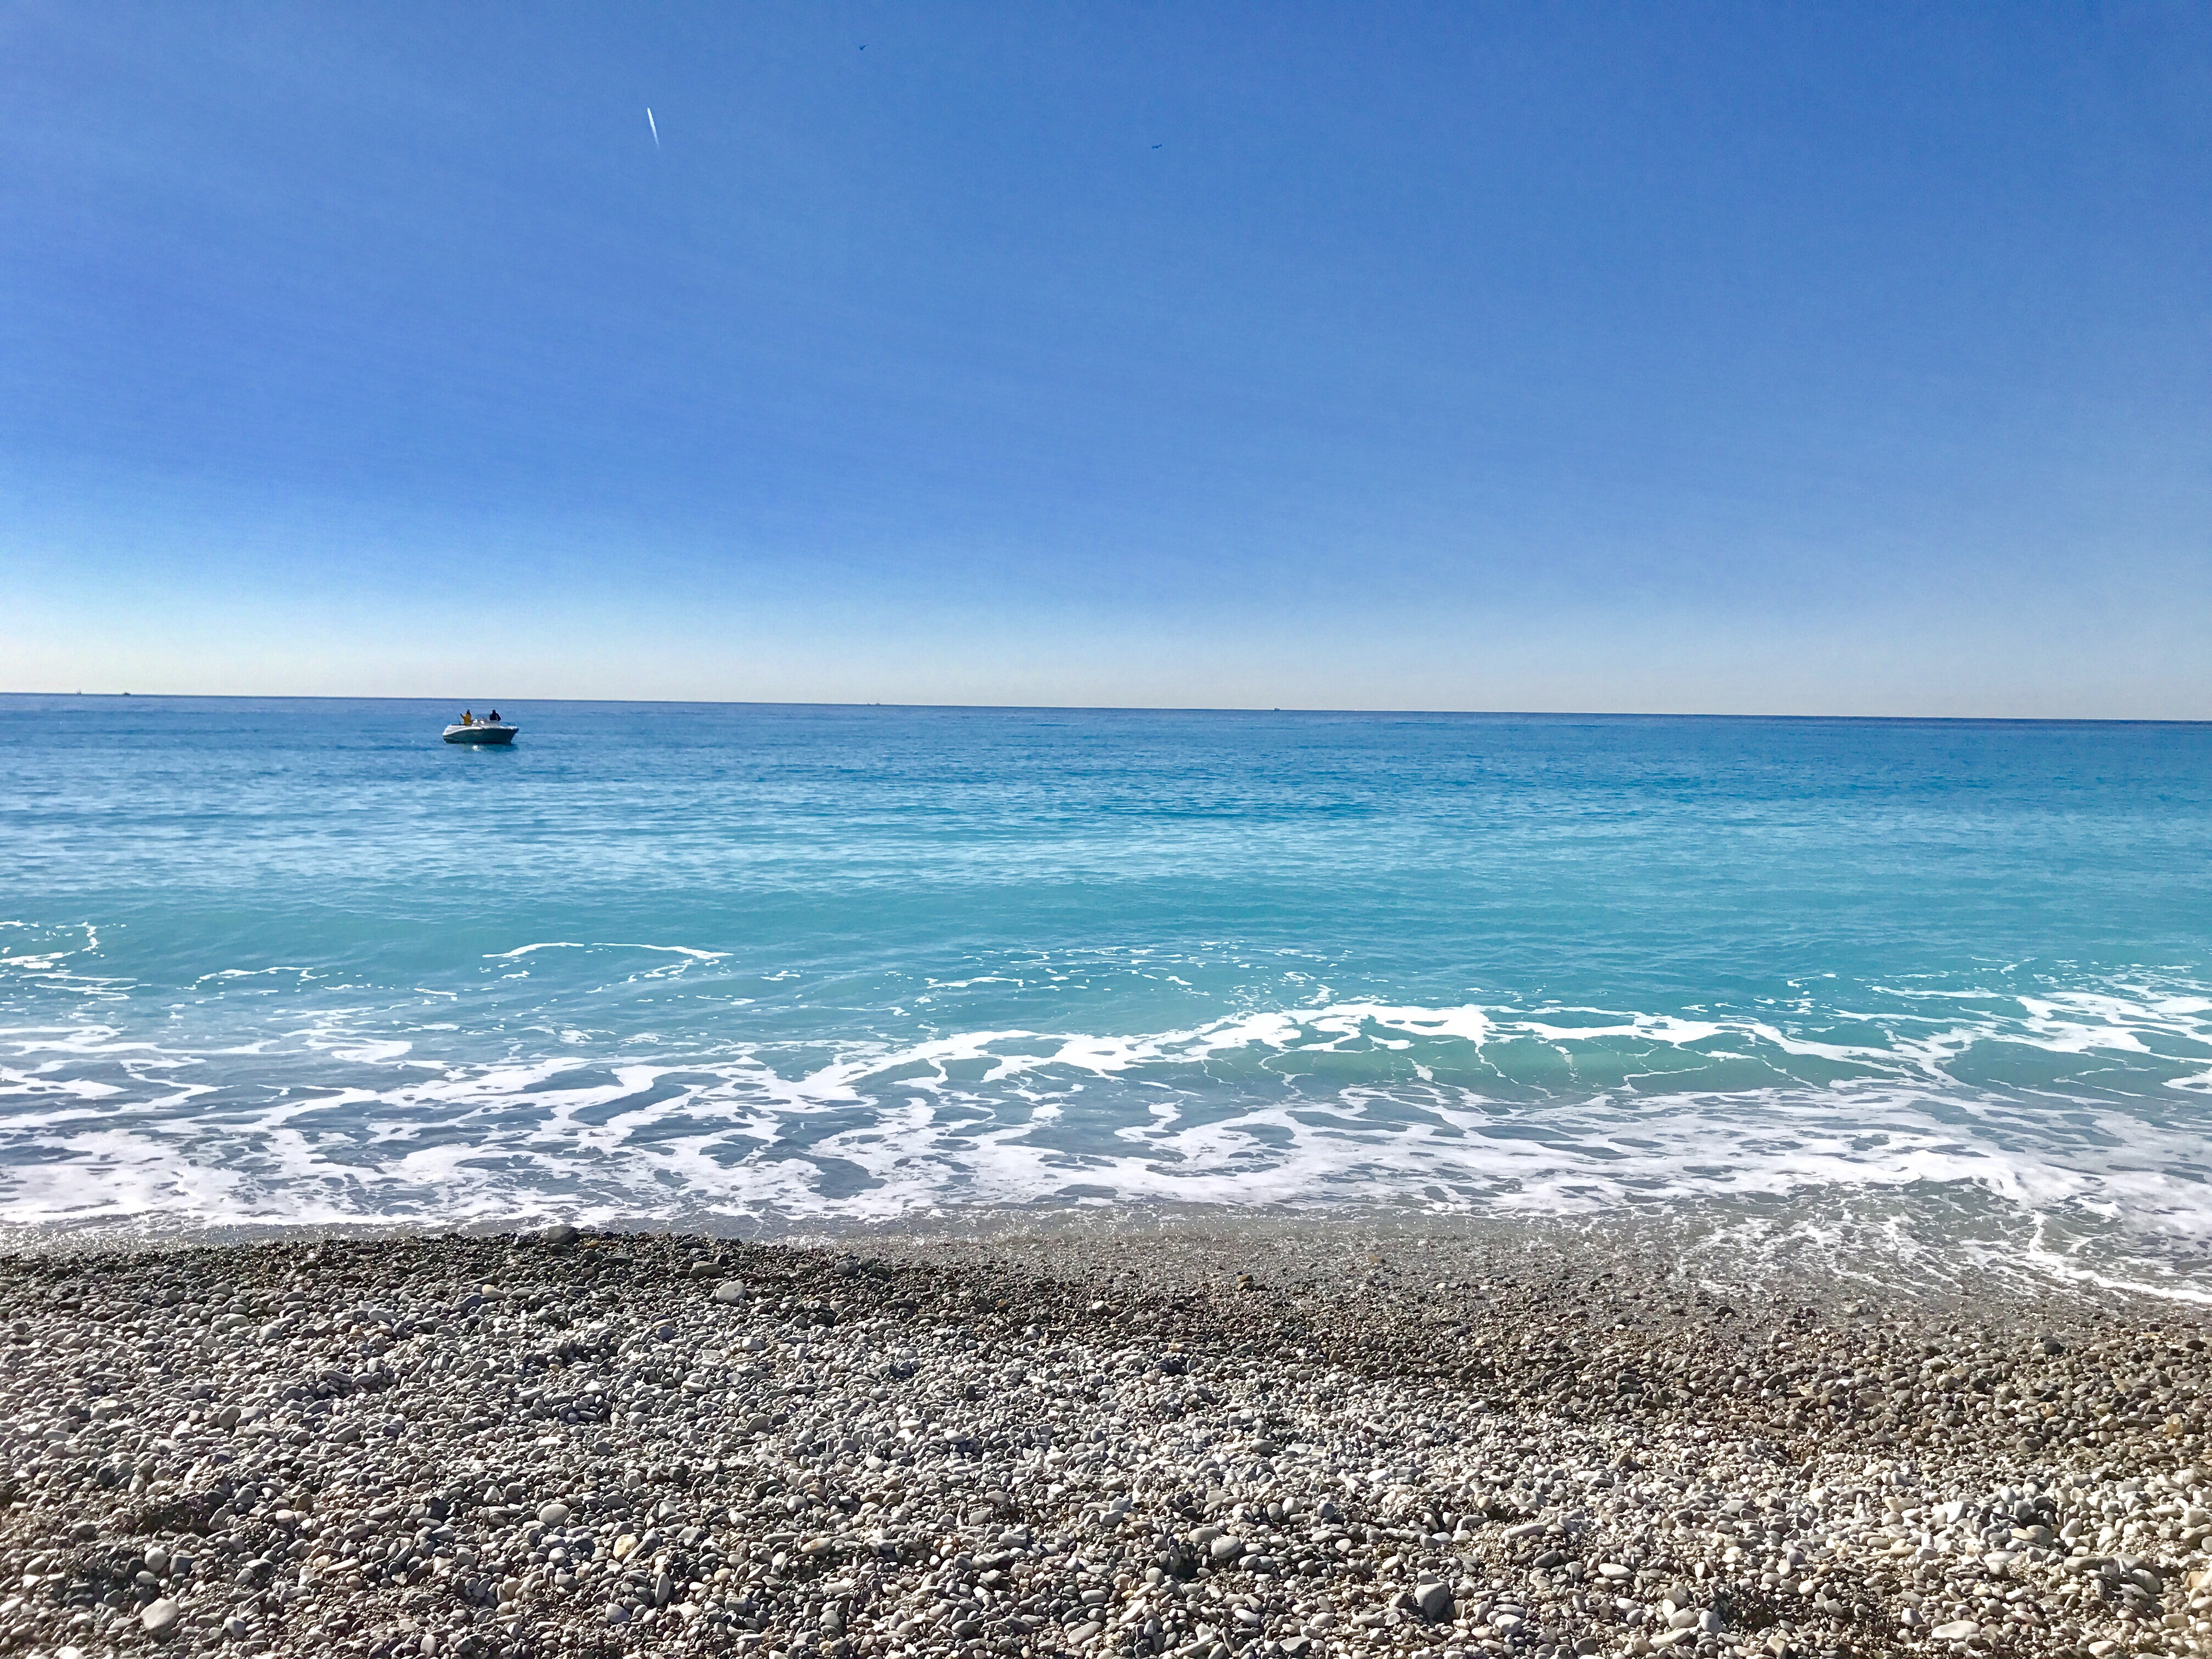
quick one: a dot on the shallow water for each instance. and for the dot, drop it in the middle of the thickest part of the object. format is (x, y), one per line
(1882, 986)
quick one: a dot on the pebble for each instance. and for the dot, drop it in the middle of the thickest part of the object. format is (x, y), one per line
(1288, 1442)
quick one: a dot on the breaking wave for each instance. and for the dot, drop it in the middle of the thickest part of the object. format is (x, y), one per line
(2052, 1126)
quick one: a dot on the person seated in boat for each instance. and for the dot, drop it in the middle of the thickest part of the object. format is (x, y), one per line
(467, 719)
(494, 718)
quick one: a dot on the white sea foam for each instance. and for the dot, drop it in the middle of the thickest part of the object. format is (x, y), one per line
(2030, 1118)
(1231, 1111)
(691, 951)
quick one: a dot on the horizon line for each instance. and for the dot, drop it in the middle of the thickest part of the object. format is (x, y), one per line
(1149, 708)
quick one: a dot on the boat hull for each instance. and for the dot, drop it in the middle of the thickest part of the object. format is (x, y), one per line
(481, 734)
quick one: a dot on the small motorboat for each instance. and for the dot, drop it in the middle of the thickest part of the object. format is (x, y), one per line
(476, 731)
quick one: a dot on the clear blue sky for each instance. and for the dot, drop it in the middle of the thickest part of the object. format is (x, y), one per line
(1850, 359)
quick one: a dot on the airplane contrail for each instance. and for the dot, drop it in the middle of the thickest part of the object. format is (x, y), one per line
(653, 125)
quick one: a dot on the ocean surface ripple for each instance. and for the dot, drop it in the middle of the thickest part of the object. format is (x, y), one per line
(1935, 989)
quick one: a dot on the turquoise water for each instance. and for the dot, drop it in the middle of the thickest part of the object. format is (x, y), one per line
(301, 961)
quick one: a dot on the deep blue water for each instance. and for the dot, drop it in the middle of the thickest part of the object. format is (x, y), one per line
(289, 961)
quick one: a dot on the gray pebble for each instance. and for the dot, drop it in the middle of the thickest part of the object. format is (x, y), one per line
(1161, 1444)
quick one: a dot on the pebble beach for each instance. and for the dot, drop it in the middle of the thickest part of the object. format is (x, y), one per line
(1306, 1440)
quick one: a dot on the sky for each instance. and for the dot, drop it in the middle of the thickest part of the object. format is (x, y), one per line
(1736, 359)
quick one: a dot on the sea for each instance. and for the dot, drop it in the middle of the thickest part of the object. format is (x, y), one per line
(1926, 997)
